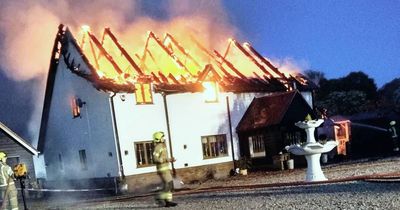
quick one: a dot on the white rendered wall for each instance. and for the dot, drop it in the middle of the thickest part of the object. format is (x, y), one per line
(190, 117)
(137, 123)
(92, 132)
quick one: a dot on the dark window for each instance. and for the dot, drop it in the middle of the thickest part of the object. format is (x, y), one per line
(214, 146)
(293, 138)
(257, 145)
(60, 162)
(144, 153)
(82, 158)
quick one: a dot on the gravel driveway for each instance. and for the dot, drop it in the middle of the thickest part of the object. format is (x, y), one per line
(350, 194)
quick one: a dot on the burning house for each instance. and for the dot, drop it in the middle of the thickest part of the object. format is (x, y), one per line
(103, 103)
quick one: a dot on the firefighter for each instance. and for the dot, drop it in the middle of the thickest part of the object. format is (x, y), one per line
(8, 190)
(160, 157)
(393, 132)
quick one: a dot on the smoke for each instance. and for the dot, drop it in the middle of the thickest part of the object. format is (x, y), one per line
(28, 29)
(290, 65)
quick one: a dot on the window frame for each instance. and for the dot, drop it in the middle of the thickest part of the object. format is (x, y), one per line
(75, 108)
(215, 92)
(257, 145)
(83, 159)
(142, 94)
(60, 162)
(148, 158)
(212, 148)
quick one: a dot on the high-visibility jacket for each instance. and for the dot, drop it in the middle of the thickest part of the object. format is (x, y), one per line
(160, 157)
(5, 173)
(393, 131)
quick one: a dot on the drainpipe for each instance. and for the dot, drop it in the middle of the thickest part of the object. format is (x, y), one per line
(164, 95)
(230, 130)
(114, 121)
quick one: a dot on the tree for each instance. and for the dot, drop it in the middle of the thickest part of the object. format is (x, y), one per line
(315, 76)
(389, 94)
(348, 95)
(343, 102)
(360, 81)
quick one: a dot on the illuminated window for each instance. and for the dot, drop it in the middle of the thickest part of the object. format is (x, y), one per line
(144, 153)
(76, 110)
(210, 91)
(214, 146)
(82, 158)
(143, 93)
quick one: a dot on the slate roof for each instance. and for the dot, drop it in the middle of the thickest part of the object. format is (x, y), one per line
(266, 111)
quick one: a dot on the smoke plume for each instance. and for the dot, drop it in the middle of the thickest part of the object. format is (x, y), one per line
(28, 29)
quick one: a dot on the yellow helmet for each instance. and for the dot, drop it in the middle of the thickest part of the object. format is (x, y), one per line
(2, 155)
(157, 136)
(392, 123)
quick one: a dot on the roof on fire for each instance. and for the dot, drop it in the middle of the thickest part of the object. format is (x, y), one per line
(123, 70)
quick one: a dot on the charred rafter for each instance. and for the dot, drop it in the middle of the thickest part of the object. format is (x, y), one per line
(168, 51)
(108, 32)
(105, 53)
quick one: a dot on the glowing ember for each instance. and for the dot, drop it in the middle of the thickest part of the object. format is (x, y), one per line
(85, 28)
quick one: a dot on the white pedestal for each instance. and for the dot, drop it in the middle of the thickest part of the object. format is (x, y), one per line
(314, 171)
(312, 150)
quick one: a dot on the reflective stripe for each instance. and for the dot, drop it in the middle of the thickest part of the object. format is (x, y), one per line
(166, 196)
(11, 183)
(394, 134)
(163, 167)
(3, 178)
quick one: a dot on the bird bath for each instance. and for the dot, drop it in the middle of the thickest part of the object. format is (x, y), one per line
(312, 150)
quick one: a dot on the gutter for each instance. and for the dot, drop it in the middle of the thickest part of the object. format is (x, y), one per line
(230, 130)
(168, 131)
(114, 122)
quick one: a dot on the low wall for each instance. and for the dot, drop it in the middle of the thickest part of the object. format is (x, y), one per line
(150, 181)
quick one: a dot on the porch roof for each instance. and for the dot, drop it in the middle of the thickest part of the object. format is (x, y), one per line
(17, 139)
(266, 111)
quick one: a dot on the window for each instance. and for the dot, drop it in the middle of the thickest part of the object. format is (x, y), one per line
(144, 153)
(60, 163)
(214, 146)
(76, 111)
(293, 137)
(76, 105)
(82, 158)
(257, 146)
(210, 91)
(143, 93)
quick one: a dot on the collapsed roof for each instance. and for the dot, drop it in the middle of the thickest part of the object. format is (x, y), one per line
(170, 66)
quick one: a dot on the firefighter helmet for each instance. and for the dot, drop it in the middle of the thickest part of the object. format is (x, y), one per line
(392, 123)
(158, 136)
(2, 155)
